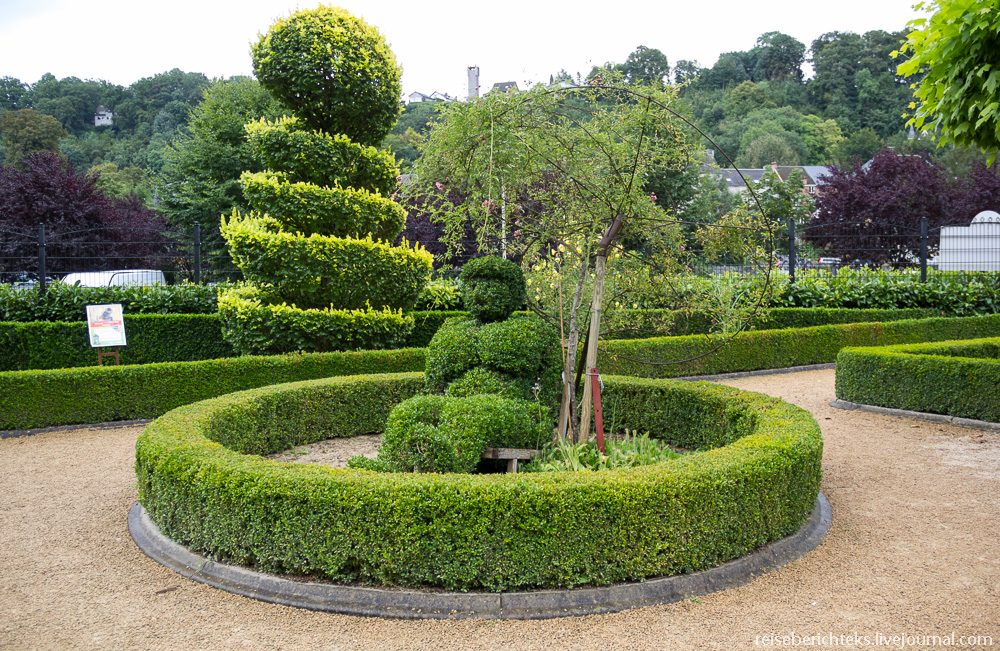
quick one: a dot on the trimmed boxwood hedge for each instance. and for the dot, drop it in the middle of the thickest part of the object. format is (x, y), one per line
(31, 399)
(180, 337)
(694, 323)
(478, 532)
(957, 378)
(151, 338)
(765, 349)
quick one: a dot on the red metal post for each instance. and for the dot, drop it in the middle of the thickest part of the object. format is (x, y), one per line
(595, 384)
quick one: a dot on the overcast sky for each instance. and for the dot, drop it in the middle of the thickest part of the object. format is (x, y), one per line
(435, 41)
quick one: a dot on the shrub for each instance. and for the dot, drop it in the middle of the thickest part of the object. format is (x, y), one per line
(107, 393)
(492, 288)
(434, 433)
(627, 452)
(520, 354)
(333, 70)
(151, 338)
(254, 324)
(317, 249)
(957, 378)
(764, 349)
(487, 532)
(63, 302)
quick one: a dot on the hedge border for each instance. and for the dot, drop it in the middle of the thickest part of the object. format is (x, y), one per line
(491, 532)
(97, 394)
(761, 349)
(960, 379)
(546, 604)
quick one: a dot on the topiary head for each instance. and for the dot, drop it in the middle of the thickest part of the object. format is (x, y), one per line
(335, 72)
(492, 288)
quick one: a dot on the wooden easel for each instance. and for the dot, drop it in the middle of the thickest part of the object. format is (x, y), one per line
(101, 356)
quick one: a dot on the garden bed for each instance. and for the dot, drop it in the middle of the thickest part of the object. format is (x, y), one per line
(755, 480)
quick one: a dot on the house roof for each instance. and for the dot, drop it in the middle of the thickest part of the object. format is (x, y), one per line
(504, 86)
(734, 180)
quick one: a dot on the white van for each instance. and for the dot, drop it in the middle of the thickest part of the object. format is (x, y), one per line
(115, 278)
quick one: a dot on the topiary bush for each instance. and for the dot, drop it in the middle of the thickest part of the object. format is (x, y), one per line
(433, 433)
(492, 288)
(316, 248)
(518, 357)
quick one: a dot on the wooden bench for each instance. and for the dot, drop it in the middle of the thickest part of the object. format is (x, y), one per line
(510, 454)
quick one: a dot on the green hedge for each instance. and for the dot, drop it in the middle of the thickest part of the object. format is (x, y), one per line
(642, 324)
(151, 338)
(491, 532)
(957, 378)
(765, 349)
(68, 302)
(31, 399)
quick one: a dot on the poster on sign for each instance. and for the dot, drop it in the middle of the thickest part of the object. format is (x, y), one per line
(105, 325)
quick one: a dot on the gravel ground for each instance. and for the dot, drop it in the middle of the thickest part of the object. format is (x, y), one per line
(913, 550)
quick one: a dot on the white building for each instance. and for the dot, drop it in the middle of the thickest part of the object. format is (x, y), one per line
(103, 116)
(975, 247)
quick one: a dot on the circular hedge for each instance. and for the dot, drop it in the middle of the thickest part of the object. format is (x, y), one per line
(755, 481)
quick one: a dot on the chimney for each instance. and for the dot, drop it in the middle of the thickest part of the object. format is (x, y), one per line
(473, 82)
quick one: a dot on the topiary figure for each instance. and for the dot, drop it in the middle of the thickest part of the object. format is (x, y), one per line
(492, 288)
(515, 356)
(433, 433)
(316, 250)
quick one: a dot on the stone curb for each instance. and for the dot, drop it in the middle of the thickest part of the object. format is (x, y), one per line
(543, 604)
(917, 415)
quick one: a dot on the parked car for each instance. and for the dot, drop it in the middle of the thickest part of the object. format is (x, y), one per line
(115, 278)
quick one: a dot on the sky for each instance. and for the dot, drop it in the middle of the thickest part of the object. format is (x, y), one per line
(435, 42)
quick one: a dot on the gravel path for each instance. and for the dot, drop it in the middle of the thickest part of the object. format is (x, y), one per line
(914, 550)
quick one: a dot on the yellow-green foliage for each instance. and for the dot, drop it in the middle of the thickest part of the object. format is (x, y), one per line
(255, 322)
(755, 480)
(319, 271)
(957, 378)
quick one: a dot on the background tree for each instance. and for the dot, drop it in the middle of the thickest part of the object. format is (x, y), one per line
(89, 230)
(645, 66)
(199, 181)
(872, 215)
(955, 61)
(858, 147)
(27, 131)
(11, 92)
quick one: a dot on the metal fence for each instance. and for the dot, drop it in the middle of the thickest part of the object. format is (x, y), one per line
(106, 256)
(109, 256)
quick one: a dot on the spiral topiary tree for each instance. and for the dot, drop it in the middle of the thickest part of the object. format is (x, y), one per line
(316, 249)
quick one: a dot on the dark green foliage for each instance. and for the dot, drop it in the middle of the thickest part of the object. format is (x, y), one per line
(334, 70)
(484, 532)
(426, 324)
(480, 380)
(748, 351)
(68, 302)
(256, 322)
(492, 288)
(151, 338)
(960, 294)
(433, 433)
(264, 422)
(957, 378)
(521, 354)
(31, 399)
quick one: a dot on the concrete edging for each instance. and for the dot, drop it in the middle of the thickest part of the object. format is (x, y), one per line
(408, 604)
(917, 415)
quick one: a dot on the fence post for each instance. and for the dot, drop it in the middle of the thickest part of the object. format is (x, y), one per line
(791, 250)
(923, 249)
(197, 253)
(41, 260)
